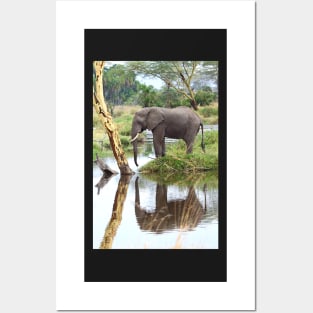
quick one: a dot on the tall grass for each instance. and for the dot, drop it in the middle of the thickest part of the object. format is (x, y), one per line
(209, 114)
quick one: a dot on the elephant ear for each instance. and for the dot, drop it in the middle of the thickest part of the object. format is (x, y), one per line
(154, 118)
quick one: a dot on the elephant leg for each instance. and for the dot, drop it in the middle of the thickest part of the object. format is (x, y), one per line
(158, 141)
(189, 147)
(163, 147)
(189, 140)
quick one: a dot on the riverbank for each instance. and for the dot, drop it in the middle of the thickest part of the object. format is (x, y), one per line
(176, 159)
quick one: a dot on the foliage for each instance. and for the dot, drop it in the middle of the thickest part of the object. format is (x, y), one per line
(204, 97)
(178, 75)
(148, 96)
(172, 99)
(119, 84)
(185, 83)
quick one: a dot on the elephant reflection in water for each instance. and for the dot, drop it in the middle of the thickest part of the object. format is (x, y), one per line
(184, 214)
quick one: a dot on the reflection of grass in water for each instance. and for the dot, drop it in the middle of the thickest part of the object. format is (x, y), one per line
(185, 179)
(192, 213)
(155, 222)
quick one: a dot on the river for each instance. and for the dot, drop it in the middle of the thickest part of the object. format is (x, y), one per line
(151, 212)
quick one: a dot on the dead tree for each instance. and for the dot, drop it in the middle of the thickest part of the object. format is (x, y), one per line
(106, 119)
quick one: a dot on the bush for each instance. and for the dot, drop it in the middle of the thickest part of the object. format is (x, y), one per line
(205, 97)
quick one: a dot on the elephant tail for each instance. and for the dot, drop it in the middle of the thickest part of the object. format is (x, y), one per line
(202, 143)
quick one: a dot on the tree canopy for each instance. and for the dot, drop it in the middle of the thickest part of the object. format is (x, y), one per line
(189, 83)
(119, 84)
(182, 76)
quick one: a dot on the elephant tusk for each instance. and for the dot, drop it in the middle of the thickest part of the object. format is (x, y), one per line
(132, 140)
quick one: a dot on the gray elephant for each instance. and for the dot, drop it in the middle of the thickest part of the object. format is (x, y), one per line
(179, 123)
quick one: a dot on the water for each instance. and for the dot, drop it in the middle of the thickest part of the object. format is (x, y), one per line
(151, 212)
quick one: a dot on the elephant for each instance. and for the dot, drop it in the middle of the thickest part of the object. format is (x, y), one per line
(179, 123)
(184, 214)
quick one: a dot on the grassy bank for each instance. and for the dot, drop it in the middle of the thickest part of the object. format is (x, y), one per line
(176, 159)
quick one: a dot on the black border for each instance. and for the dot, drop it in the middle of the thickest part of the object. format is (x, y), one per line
(188, 265)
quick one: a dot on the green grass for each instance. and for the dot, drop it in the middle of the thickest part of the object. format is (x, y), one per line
(123, 124)
(103, 147)
(176, 159)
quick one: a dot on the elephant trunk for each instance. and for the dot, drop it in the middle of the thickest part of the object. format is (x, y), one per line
(134, 141)
(135, 151)
(135, 131)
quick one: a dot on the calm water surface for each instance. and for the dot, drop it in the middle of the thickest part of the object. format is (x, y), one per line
(143, 212)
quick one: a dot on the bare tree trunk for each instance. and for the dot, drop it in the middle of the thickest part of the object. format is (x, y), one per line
(106, 119)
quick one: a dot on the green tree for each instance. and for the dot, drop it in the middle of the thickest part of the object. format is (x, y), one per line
(148, 96)
(119, 84)
(205, 97)
(171, 99)
(178, 75)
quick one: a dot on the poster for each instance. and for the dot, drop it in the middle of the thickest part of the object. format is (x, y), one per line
(93, 276)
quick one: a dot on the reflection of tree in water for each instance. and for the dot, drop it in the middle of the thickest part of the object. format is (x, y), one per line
(108, 173)
(183, 214)
(117, 211)
(103, 181)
